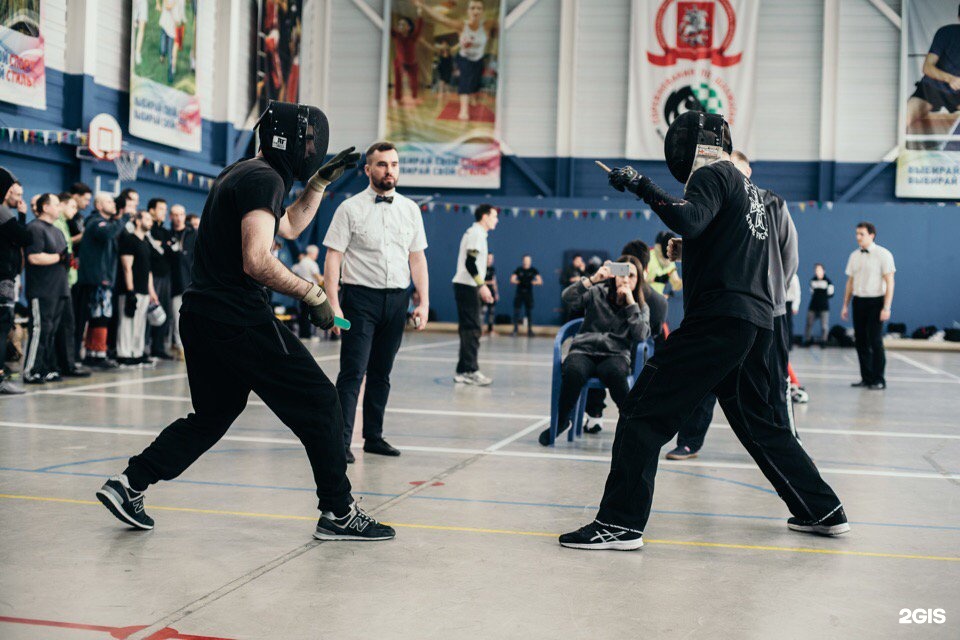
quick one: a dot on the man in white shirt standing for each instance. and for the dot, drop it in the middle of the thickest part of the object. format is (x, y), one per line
(870, 272)
(378, 240)
(308, 269)
(469, 289)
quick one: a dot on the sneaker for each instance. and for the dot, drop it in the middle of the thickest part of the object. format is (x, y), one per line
(833, 525)
(593, 425)
(78, 371)
(474, 378)
(53, 376)
(100, 363)
(482, 380)
(356, 525)
(33, 378)
(544, 437)
(350, 457)
(146, 361)
(7, 388)
(597, 535)
(124, 503)
(128, 363)
(161, 355)
(799, 395)
(682, 453)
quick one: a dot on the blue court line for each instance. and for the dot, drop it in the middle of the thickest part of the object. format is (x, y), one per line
(71, 464)
(513, 503)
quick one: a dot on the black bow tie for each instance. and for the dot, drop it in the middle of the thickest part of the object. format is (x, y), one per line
(864, 251)
(380, 198)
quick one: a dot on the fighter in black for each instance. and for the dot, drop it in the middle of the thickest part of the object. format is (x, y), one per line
(233, 344)
(721, 346)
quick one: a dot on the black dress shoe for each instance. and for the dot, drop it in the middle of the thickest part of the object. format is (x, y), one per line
(380, 447)
(350, 457)
(859, 384)
(878, 386)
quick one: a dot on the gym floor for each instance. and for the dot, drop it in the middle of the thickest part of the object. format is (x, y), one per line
(478, 504)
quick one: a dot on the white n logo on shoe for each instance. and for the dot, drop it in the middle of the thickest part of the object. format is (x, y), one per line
(358, 524)
(605, 535)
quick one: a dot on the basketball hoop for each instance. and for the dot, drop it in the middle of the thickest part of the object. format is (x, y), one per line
(127, 163)
(104, 137)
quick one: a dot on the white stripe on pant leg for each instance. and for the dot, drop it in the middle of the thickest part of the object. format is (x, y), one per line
(175, 335)
(34, 337)
(125, 329)
(140, 325)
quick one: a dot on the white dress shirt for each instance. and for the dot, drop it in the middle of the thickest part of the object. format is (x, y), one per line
(867, 267)
(474, 239)
(376, 239)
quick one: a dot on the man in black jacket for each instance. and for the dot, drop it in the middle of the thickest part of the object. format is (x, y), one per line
(13, 237)
(721, 346)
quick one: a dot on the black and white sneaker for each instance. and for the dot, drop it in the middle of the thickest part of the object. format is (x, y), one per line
(124, 503)
(597, 535)
(356, 525)
(832, 525)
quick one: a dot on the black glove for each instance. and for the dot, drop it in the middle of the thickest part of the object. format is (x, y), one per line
(334, 169)
(130, 305)
(318, 308)
(625, 179)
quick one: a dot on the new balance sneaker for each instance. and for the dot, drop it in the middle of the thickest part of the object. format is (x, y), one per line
(598, 535)
(833, 525)
(682, 453)
(356, 525)
(124, 503)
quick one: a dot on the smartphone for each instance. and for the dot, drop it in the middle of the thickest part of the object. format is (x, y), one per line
(619, 269)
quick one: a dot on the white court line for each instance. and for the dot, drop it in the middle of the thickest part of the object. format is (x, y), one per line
(508, 454)
(519, 434)
(854, 375)
(511, 363)
(922, 366)
(421, 347)
(104, 385)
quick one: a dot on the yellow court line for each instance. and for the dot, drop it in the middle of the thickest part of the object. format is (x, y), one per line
(543, 534)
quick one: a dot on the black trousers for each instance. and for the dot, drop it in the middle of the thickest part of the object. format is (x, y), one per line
(868, 337)
(158, 337)
(789, 317)
(577, 368)
(304, 326)
(224, 364)
(523, 306)
(729, 357)
(693, 431)
(45, 314)
(378, 317)
(64, 345)
(6, 324)
(470, 327)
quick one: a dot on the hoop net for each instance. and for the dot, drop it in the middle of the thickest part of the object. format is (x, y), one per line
(127, 163)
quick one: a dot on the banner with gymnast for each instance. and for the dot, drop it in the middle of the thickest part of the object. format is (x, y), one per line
(441, 92)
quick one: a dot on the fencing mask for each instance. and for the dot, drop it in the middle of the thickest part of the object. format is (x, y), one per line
(293, 139)
(694, 140)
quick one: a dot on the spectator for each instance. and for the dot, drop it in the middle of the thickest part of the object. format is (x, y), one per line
(161, 268)
(96, 278)
(308, 269)
(525, 277)
(65, 341)
(13, 237)
(793, 306)
(136, 292)
(662, 269)
(193, 220)
(821, 290)
(81, 193)
(570, 274)
(470, 290)
(183, 240)
(616, 318)
(46, 288)
(489, 311)
(128, 203)
(870, 272)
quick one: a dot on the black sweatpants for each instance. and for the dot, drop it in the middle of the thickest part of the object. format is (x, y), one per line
(304, 326)
(45, 314)
(378, 317)
(468, 315)
(82, 296)
(64, 345)
(523, 307)
(224, 364)
(6, 324)
(693, 431)
(577, 368)
(729, 357)
(159, 337)
(868, 337)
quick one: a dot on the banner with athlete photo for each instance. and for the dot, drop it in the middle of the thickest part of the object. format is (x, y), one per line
(689, 55)
(22, 68)
(279, 37)
(441, 91)
(164, 102)
(928, 164)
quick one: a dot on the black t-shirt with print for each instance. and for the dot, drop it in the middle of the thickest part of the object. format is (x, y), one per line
(140, 249)
(525, 279)
(159, 258)
(49, 281)
(219, 289)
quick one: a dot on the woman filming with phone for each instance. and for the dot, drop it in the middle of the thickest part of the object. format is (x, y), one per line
(616, 318)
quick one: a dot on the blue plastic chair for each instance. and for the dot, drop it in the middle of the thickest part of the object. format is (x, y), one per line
(567, 331)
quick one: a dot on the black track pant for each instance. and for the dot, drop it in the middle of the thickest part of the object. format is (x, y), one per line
(578, 368)
(6, 324)
(224, 364)
(868, 336)
(468, 315)
(729, 357)
(45, 315)
(159, 337)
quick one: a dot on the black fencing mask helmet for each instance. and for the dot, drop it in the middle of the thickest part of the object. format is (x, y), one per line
(694, 140)
(293, 139)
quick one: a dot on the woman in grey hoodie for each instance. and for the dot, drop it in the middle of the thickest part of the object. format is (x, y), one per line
(616, 318)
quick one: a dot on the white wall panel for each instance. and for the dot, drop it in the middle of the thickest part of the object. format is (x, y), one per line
(208, 39)
(113, 44)
(54, 30)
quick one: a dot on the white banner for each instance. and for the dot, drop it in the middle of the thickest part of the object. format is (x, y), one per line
(690, 55)
(929, 162)
(22, 70)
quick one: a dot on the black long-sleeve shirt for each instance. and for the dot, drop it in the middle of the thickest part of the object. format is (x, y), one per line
(13, 237)
(725, 234)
